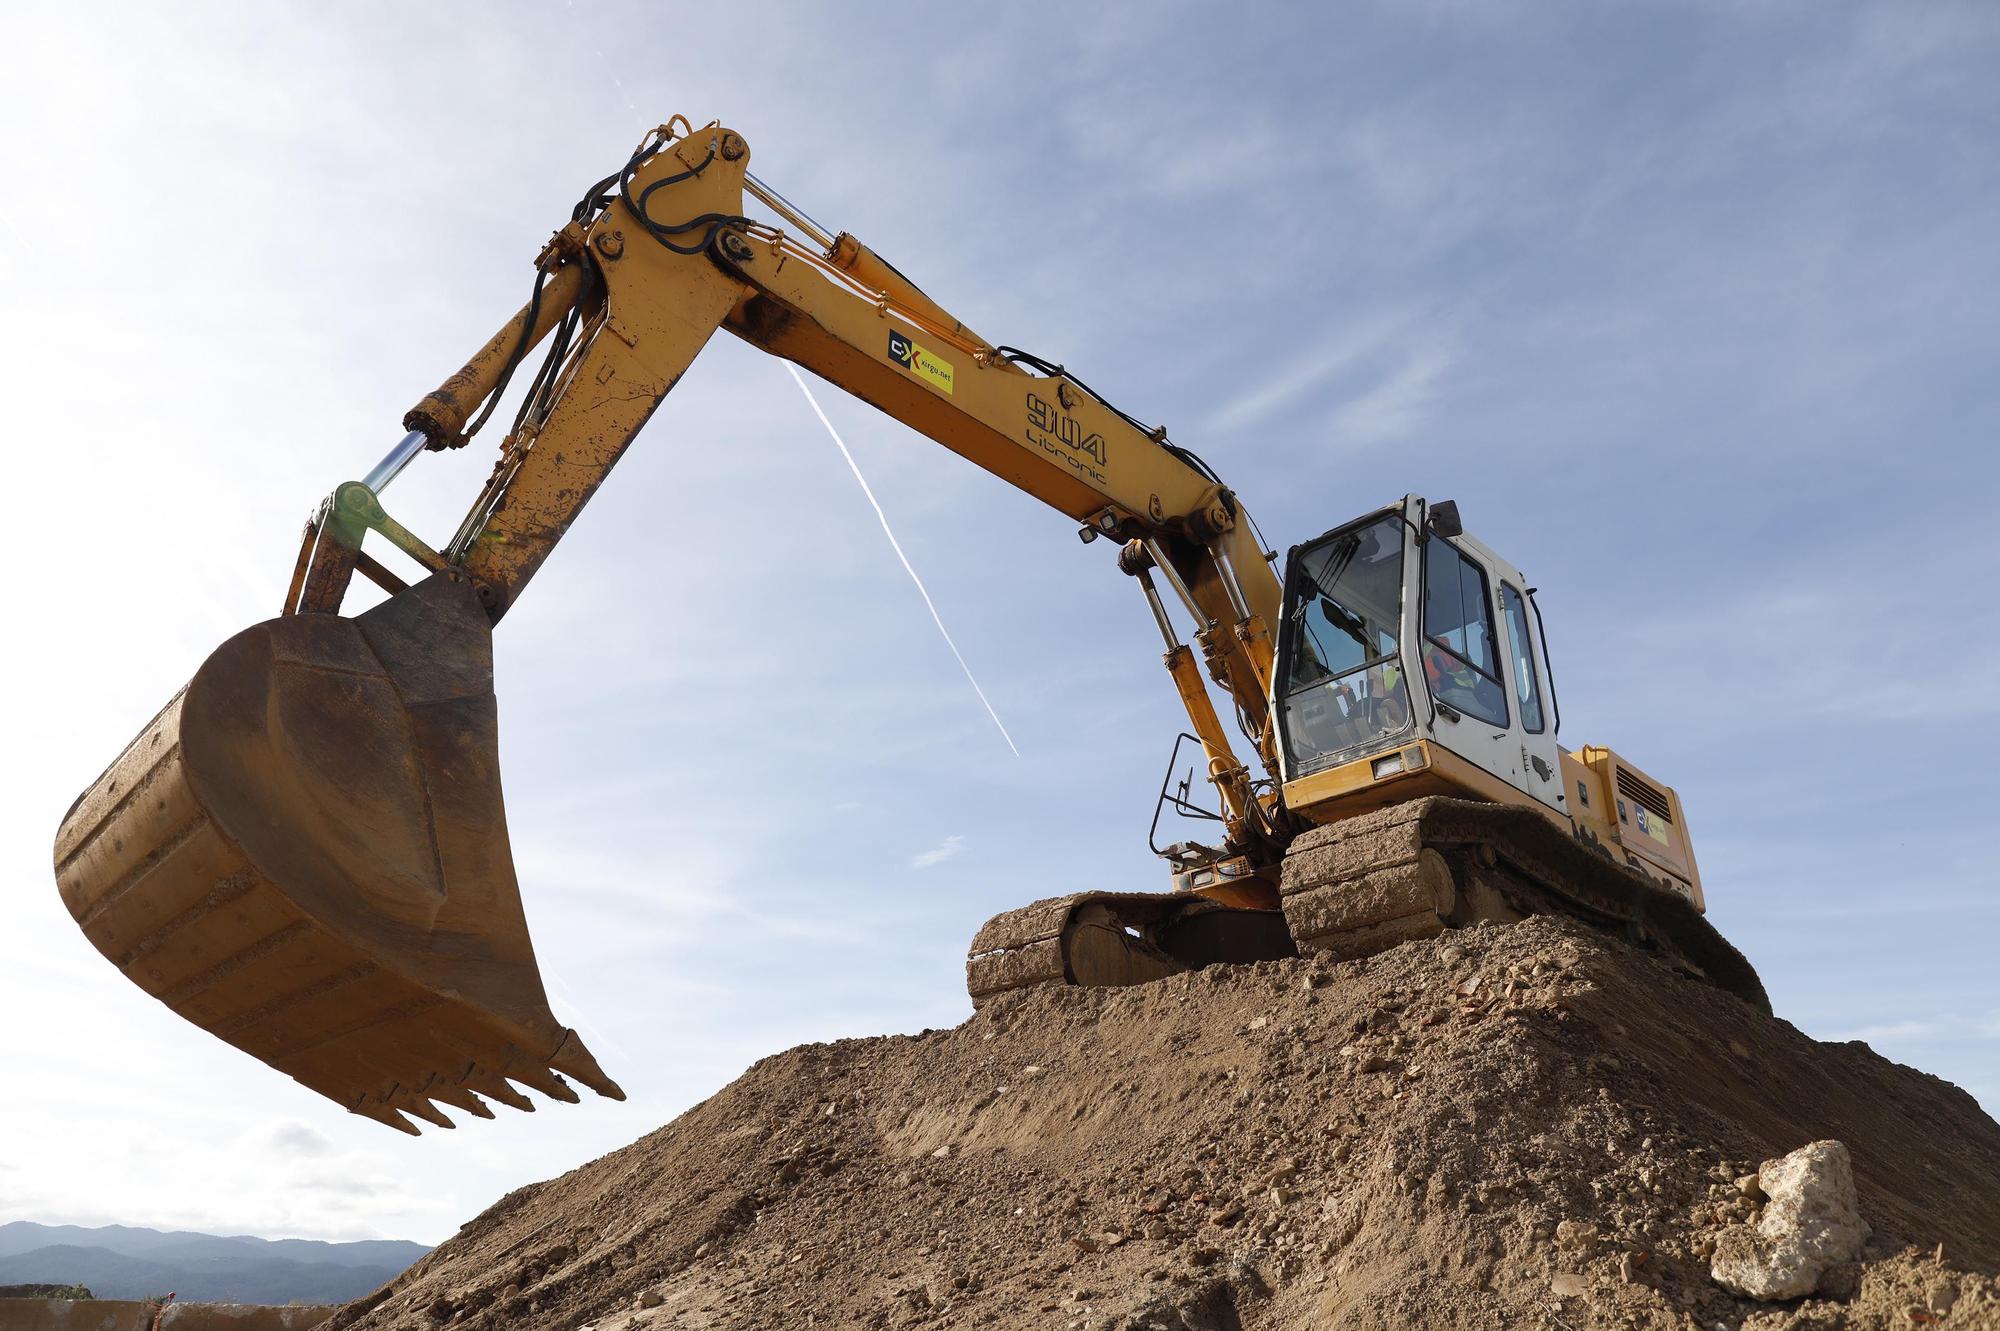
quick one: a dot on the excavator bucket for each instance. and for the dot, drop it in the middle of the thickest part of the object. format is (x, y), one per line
(306, 854)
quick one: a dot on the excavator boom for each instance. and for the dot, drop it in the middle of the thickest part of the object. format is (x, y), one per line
(306, 852)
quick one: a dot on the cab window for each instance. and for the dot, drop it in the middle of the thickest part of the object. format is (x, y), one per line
(1459, 657)
(1343, 692)
(1527, 684)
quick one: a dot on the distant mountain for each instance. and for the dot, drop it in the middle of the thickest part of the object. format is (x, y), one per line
(121, 1262)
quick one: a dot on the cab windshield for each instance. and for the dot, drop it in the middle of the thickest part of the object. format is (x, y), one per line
(1342, 686)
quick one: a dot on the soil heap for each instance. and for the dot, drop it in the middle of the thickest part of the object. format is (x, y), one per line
(1525, 1126)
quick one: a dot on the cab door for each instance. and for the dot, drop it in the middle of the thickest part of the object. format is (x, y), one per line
(1480, 665)
(1534, 694)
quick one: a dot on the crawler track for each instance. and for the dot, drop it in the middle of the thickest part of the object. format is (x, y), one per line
(1107, 939)
(1419, 868)
(1359, 887)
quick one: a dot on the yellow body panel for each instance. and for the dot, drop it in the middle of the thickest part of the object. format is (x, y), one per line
(1613, 803)
(1659, 845)
(1352, 788)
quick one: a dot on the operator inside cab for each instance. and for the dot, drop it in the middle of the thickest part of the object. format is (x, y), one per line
(1344, 677)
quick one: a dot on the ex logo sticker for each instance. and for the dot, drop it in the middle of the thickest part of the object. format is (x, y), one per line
(927, 365)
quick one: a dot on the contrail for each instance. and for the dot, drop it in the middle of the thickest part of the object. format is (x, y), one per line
(897, 546)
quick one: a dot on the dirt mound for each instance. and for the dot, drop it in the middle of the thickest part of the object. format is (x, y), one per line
(1521, 1126)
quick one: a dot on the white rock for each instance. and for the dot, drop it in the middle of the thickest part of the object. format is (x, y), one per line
(1809, 1224)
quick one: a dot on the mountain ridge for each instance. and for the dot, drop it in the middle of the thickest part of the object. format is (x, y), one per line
(125, 1261)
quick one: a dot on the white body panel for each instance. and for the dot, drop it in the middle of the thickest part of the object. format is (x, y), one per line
(1527, 760)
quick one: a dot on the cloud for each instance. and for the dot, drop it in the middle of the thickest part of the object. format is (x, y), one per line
(279, 1179)
(1223, 150)
(1382, 374)
(1938, 1028)
(1778, 630)
(938, 854)
(1330, 357)
(1395, 407)
(293, 1138)
(337, 1183)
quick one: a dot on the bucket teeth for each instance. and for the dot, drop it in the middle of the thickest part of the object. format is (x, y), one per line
(533, 1073)
(495, 1087)
(421, 1106)
(458, 1097)
(575, 1060)
(383, 1114)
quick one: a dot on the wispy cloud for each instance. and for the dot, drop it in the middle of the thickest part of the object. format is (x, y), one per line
(1321, 363)
(1380, 376)
(1939, 1027)
(939, 853)
(293, 1138)
(1226, 151)
(1397, 406)
(1775, 629)
(280, 1178)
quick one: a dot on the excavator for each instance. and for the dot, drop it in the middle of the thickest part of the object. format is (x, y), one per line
(306, 852)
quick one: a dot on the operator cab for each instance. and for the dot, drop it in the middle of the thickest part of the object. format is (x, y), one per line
(1409, 655)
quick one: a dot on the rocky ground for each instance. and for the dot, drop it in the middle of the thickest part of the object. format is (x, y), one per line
(1522, 1126)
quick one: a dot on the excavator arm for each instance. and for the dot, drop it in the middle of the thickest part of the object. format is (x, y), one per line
(306, 852)
(632, 289)
(670, 257)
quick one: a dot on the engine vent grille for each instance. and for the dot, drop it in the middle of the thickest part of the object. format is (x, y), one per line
(1645, 794)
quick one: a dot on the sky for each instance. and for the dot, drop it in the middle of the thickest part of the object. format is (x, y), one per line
(1689, 306)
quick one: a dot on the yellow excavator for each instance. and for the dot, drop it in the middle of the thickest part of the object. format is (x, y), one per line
(306, 854)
